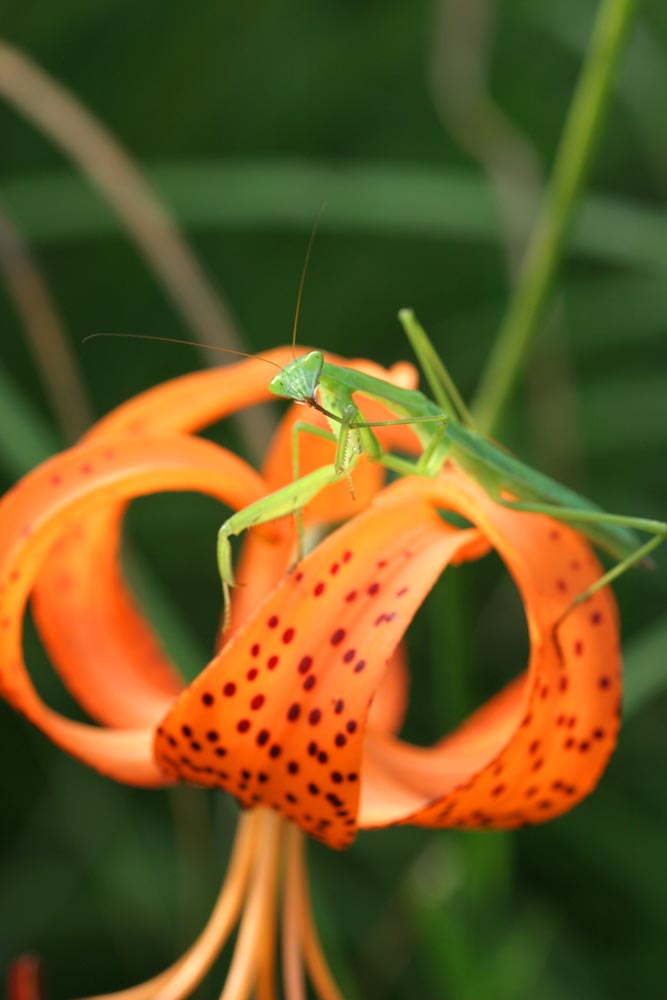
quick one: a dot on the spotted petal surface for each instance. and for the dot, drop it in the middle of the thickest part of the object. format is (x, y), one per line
(280, 716)
(540, 745)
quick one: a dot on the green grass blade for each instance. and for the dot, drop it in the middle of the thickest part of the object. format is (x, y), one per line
(53, 206)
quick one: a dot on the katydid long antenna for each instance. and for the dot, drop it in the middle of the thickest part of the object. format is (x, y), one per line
(176, 340)
(302, 280)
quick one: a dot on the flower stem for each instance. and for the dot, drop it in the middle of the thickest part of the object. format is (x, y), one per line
(573, 160)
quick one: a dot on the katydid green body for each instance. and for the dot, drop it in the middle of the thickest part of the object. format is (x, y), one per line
(445, 432)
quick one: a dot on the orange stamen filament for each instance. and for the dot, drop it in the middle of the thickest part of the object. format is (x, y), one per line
(293, 976)
(252, 874)
(265, 988)
(297, 878)
(255, 933)
(183, 976)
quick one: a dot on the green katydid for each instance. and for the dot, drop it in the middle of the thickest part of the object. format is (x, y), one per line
(445, 431)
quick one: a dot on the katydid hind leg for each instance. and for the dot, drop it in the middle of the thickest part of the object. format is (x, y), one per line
(441, 383)
(579, 519)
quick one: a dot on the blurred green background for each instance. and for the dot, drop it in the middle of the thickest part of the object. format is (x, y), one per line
(246, 119)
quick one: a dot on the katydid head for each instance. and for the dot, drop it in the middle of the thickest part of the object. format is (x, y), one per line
(298, 380)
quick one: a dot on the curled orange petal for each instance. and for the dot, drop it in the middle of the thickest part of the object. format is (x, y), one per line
(541, 744)
(57, 495)
(80, 591)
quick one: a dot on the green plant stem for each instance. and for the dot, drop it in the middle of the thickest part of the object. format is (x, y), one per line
(573, 159)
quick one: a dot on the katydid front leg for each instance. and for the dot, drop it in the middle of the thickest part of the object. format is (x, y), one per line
(302, 427)
(288, 500)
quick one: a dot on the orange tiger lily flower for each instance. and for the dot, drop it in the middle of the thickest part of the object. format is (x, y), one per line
(298, 711)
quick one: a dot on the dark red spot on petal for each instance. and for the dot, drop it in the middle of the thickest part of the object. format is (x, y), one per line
(207, 699)
(257, 702)
(339, 706)
(263, 737)
(229, 689)
(348, 655)
(352, 596)
(254, 649)
(319, 588)
(333, 569)
(337, 636)
(596, 618)
(305, 664)
(340, 740)
(351, 726)
(294, 711)
(314, 716)
(358, 667)
(373, 589)
(186, 731)
(243, 725)
(273, 621)
(578, 647)
(309, 683)
(252, 673)
(272, 662)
